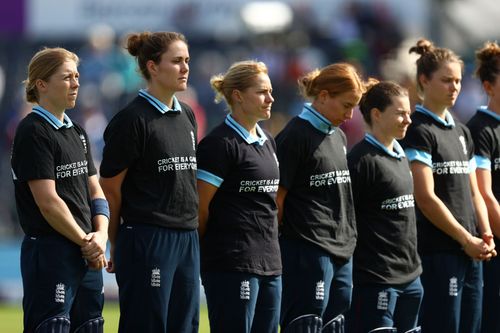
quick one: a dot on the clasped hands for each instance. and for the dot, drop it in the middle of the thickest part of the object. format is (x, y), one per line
(94, 249)
(480, 248)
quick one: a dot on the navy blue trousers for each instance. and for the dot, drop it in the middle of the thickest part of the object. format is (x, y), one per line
(453, 285)
(242, 302)
(491, 295)
(313, 283)
(58, 283)
(157, 271)
(382, 305)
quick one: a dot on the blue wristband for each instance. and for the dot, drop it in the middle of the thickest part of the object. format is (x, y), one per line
(99, 206)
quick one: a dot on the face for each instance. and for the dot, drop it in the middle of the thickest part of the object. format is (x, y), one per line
(337, 109)
(395, 119)
(443, 87)
(59, 92)
(256, 101)
(493, 91)
(171, 73)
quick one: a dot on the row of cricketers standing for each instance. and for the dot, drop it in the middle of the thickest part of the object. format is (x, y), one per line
(398, 232)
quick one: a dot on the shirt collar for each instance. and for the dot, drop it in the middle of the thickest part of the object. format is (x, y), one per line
(158, 104)
(485, 109)
(448, 121)
(51, 119)
(397, 151)
(249, 138)
(316, 119)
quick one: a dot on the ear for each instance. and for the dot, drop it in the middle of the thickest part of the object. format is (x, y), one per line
(322, 96)
(423, 80)
(375, 114)
(40, 84)
(237, 97)
(152, 68)
(488, 88)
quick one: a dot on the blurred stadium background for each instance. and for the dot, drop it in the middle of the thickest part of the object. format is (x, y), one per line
(290, 36)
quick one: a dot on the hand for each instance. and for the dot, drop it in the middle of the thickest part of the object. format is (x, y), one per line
(478, 249)
(95, 245)
(111, 267)
(97, 264)
(488, 239)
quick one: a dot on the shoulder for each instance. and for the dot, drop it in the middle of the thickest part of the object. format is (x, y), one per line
(188, 111)
(296, 130)
(220, 135)
(361, 152)
(132, 112)
(33, 125)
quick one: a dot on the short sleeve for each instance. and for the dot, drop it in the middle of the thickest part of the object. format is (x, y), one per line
(34, 155)
(357, 174)
(215, 160)
(123, 141)
(418, 138)
(289, 157)
(483, 143)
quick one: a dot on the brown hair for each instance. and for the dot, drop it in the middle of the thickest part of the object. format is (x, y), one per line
(335, 78)
(488, 62)
(239, 76)
(431, 58)
(379, 95)
(147, 46)
(42, 66)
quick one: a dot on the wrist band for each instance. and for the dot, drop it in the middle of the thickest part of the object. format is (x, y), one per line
(99, 206)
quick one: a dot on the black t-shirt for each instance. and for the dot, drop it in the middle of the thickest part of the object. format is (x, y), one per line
(242, 226)
(386, 250)
(159, 150)
(448, 150)
(318, 207)
(485, 130)
(45, 148)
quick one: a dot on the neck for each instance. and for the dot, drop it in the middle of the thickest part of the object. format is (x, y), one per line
(249, 125)
(387, 141)
(438, 110)
(59, 114)
(494, 106)
(165, 97)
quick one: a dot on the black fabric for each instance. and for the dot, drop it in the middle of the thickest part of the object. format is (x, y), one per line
(159, 151)
(242, 227)
(42, 152)
(485, 131)
(386, 250)
(318, 206)
(451, 149)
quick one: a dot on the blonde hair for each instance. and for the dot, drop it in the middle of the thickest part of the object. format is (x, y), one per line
(335, 78)
(42, 66)
(239, 76)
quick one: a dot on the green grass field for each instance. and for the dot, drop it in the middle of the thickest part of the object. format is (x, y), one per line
(11, 318)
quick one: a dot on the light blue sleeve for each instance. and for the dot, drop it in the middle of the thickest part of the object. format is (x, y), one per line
(418, 155)
(209, 178)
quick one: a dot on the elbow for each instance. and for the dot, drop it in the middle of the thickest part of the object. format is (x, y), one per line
(424, 202)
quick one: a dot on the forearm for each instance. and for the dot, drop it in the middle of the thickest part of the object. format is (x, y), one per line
(202, 222)
(115, 217)
(58, 215)
(481, 215)
(439, 215)
(493, 215)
